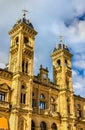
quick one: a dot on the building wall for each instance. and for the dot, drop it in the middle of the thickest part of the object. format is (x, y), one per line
(30, 102)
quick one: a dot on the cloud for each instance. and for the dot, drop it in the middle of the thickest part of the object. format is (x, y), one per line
(78, 83)
(50, 19)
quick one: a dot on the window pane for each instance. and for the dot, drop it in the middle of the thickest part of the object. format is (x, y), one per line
(2, 96)
(42, 105)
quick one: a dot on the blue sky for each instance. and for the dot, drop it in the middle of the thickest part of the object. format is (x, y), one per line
(51, 18)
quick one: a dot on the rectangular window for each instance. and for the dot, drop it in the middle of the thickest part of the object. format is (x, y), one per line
(42, 105)
(2, 96)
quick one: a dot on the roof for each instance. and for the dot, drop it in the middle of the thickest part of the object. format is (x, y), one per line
(25, 21)
(61, 45)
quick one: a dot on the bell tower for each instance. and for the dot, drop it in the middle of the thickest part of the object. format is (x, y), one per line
(21, 61)
(22, 37)
(62, 75)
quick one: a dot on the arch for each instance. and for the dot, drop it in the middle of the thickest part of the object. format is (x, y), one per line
(23, 87)
(26, 40)
(54, 126)
(23, 95)
(58, 62)
(32, 125)
(42, 96)
(43, 125)
(21, 123)
(66, 63)
(17, 40)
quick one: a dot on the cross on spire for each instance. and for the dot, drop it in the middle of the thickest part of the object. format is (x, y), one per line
(24, 12)
(61, 37)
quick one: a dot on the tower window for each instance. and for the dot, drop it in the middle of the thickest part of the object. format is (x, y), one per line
(26, 40)
(26, 67)
(22, 66)
(17, 40)
(68, 105)
(23, 98)
(58, 62)
(23, 95)
(66, 63)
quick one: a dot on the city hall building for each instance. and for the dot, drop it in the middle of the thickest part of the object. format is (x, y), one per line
(29, 102)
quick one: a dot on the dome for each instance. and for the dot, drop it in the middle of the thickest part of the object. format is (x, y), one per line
(25, 21)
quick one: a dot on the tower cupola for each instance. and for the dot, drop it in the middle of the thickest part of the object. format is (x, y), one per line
(61, 60)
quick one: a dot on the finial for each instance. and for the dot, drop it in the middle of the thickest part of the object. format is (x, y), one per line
(24, 12)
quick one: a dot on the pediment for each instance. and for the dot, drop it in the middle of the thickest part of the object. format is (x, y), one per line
(4, 86)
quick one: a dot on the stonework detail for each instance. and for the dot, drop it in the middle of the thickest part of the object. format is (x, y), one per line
(29, 102)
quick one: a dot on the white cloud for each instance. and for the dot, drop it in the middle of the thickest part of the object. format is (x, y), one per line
(48, 17)
(79, 64)
(78, 83)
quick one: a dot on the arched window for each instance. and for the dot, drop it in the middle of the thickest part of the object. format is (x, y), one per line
(23, 95)
(42, 125)
(17, 40)
(42, 102)
(58, 63)
(42, 96)
(26, 40)
(54, 127)
(25, 66)
(32, 125)
(66, 63)
(21, 124)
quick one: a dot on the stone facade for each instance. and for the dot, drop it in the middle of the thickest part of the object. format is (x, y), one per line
(30, 102)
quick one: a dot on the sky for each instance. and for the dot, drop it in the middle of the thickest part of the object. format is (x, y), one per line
(50, 18)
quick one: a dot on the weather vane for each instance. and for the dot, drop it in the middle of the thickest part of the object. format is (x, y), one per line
(61, 37)
(24, 12)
